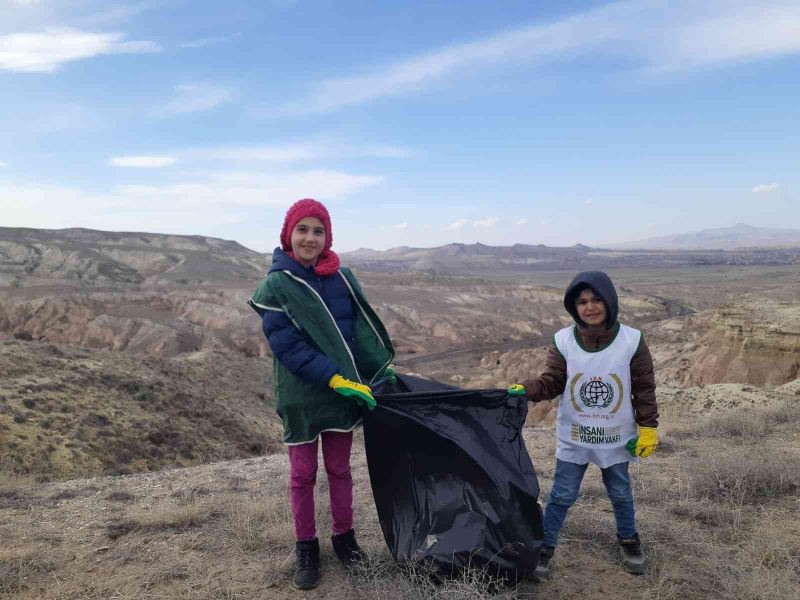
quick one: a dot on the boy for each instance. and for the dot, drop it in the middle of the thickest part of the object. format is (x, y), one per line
(604, 373)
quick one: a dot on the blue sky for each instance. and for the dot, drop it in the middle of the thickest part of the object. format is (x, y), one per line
(417, 123)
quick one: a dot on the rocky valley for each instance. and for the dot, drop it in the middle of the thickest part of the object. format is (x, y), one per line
(140, 453)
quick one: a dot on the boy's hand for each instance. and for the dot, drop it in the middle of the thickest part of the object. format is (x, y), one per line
(516, 390)
(644, 443)
(350, 389)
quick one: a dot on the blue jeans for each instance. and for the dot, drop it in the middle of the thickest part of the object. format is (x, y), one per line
(567, 484)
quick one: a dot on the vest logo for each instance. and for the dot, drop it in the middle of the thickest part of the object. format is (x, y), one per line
(595, 435)
(596, 393)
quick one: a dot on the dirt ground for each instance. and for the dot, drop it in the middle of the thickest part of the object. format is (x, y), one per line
(717, 510)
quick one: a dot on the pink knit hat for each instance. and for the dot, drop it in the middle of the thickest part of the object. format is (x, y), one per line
(328, 261)
(299, 211)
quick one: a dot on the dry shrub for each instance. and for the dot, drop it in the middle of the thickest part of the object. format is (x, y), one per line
(689, 566)
(183, 517)
(245, 523)
(17, 569)
(745, 475)
(120, 496)
(752, 425)
(382, 580)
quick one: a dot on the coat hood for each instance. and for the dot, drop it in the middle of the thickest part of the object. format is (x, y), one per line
(601, 285)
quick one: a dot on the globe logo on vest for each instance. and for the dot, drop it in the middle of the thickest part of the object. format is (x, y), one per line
(596, 393)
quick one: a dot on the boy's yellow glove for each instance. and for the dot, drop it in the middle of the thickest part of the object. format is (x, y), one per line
(644, 443)
(351, 389)
(516, 390)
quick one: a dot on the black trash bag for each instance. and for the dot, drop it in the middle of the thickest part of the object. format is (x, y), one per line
(453, 483)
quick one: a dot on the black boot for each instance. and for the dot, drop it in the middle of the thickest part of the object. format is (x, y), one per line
(630, 551)
(346, 548)
(542, 570)
(306, 571)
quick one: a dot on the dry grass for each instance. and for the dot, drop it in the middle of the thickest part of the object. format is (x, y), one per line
(716, 515)
(183, 517)
(745, 475)
(18, 568)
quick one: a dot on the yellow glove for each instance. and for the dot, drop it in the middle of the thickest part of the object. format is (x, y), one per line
(351, 389)
(516, 390)
(644, 443)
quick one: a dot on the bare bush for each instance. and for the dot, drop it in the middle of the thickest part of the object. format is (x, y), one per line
(745, 475)
(17, 569)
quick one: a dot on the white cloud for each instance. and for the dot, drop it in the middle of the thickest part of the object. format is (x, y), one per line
(148, 162)
(293, 152)
(195, 97)
(401, 226)
(765, 188)
(3, 164)
(456, 226)
(588, 202)
(182, 207)
(523, 221)
(487, 223)
(682, 34)
(207, 41)
(45, 52)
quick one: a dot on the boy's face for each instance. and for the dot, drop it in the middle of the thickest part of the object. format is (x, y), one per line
(308, 240)
(591, 309)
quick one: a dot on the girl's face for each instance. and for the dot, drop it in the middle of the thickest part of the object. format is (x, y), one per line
(308, 240)
(591, 309)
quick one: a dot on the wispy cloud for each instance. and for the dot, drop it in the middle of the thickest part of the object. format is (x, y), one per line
(208, 41)
(659, 37)
(765, 188)
(588, 201)
(487, 223)
(225, 198)
(3, 164)
(457, 225)
(148, 162)
(47, 51)
(298, 151)
(195, 97)
(523, 221)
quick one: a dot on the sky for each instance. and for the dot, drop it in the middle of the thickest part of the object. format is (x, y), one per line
(417, 123)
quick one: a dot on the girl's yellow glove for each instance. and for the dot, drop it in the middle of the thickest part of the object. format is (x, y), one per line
(644, 443)
(350, 389)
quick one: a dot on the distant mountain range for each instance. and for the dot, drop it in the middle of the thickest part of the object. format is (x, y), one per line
(723, 238)
(105, 257)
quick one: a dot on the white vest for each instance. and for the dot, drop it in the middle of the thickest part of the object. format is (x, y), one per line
(595, 414)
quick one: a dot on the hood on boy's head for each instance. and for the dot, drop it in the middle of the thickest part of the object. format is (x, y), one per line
(601, 285)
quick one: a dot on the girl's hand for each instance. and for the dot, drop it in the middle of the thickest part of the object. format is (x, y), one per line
(350, 389)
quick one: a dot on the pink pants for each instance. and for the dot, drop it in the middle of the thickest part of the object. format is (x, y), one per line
(303, 464)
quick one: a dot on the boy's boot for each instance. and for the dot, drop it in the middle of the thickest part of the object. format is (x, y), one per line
(347, 549)
(542, 570)
(306, 571)
(630, 551)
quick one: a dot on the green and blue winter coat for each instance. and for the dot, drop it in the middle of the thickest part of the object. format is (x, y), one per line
(318, 327)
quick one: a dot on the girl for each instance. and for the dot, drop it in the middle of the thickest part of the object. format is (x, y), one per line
(328, 347)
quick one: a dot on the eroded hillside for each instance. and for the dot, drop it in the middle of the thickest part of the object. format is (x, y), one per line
(67, 412)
